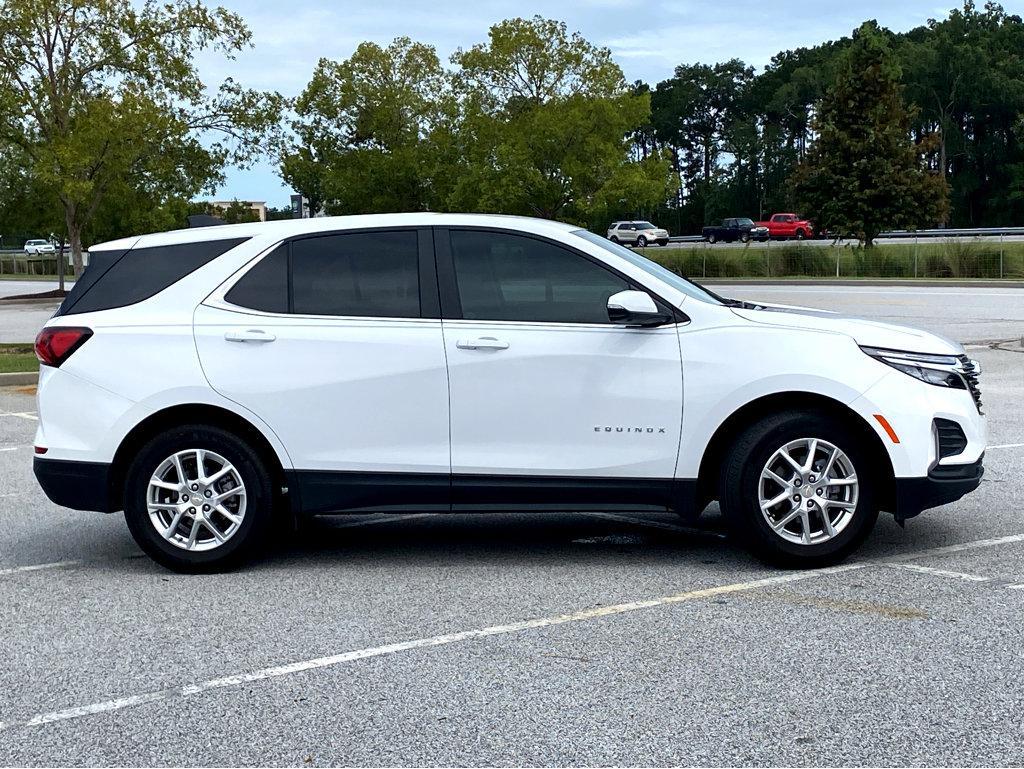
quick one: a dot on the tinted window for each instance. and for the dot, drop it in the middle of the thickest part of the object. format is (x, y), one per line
(141, 273)
(512, 277)
(265, 286)
(651, 268)
(361, 273)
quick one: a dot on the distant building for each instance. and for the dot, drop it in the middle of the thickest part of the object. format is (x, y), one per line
(259, 206)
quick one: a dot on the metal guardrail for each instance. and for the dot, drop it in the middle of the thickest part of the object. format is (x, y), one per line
(967, 232)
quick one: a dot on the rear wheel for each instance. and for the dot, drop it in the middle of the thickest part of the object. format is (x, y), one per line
(797, 490)
(613, 239)
(198, 499)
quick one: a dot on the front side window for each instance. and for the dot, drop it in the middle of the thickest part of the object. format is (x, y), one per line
(504, 276)
(663, 274)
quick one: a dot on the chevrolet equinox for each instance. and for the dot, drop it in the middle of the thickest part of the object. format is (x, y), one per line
(211, 381)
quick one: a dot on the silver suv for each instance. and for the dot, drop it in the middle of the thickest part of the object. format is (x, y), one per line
(641, 234)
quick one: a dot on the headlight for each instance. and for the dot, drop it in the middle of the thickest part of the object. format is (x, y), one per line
(940, 370)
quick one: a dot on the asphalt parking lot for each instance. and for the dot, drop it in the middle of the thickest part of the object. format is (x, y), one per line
(530, 639)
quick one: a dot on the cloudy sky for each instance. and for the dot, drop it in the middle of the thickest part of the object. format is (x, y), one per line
(647, 37)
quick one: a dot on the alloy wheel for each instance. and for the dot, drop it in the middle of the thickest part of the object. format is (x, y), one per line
(196, 500)
(808, 491)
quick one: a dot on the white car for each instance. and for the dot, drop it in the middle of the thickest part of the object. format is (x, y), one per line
(209, 382)
(640, 234)
(39, 247)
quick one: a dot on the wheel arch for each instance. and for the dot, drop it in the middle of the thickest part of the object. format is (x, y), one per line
(190, 414)
(747, 414)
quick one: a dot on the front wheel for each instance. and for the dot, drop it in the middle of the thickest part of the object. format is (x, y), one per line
(641, 242)
(198, 499)
(745, 237)
(800, 235)
(712, 238)
(797, 489)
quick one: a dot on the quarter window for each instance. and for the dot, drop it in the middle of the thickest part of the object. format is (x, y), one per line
(265, 286)
(502, 276)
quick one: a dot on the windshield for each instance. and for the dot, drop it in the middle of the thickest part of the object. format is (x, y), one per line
(651, 268)
(745, 222)
(36, 243)
(645, 226)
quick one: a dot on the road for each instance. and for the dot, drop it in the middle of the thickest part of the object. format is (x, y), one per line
(987, 241)
(967, 314)
(522, 639)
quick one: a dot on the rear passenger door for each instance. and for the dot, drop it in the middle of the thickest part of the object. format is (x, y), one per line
(335, 341)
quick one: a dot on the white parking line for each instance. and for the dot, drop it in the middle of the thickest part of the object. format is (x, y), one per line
(419, 643)
(239, 679)
(9, 448)
(939, 572)
(38, 566)
(21, 414)
(1007, 446)
(1015, 587)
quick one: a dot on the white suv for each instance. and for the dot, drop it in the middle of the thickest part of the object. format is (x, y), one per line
(209, 382)
(639, 234)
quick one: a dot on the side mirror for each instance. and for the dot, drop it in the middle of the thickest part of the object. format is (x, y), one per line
(635, 308)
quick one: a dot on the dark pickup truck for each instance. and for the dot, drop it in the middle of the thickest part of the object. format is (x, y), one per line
(731, 230)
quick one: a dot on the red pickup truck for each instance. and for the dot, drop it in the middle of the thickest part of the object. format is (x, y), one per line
(787, 226)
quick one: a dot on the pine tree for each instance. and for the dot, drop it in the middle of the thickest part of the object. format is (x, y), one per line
(864, 173)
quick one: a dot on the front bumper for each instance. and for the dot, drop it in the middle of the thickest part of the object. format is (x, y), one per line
(78, 485)
(942, 485)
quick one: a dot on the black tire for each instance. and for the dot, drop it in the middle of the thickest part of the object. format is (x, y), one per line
(712, 238)
(613, 239)
(738, 489)
(800, 235)
(641, 242)
(745, 237)
(250, 537)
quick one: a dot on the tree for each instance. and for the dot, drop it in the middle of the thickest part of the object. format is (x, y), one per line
(544, 122)
(864, 173)
(362, 133)
(104, 98)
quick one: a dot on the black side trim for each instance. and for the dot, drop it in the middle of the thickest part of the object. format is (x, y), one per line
(323, 492)
(78, 485)
(514, 492)
(942, 485)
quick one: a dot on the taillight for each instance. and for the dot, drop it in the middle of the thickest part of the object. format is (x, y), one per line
(55, 344)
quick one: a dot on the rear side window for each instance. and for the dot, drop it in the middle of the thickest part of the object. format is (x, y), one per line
(141, 273)
(367, 274)
(265, 286)
(503, 276)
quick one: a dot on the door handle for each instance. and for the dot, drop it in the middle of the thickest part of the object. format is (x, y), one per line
(482, 343)
(249, 335)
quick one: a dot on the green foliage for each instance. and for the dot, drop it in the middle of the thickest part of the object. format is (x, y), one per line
(236, 212)
(362, 133)
(104, 100)
(532, 122)
(864, 174)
